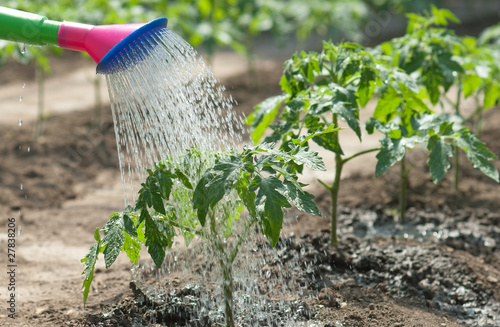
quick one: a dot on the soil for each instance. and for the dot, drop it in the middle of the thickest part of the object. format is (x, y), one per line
(440, 267)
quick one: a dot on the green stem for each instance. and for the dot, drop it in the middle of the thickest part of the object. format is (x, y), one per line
(403, 193)
(456, 167)
(227, 271)
(359, 154)
(241, 238)
(334, 190)
(457, 153)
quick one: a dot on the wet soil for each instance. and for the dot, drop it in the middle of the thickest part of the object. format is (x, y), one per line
(440, 267)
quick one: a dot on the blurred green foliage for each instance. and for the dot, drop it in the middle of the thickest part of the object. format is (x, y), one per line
(213, 24)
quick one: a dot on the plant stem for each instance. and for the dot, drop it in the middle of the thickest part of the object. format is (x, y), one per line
(457, 167)
(403, 194)
(334, 190)
(359, 154)
(227, 277)
(227, 271)
(457, 153)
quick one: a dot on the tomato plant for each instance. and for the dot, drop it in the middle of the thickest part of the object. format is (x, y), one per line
(439, 59)
(320, 89)
(204, 195)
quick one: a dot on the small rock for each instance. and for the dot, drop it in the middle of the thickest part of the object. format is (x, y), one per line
(371, 306)
(40, 311)
(71, 312)
(492, 279)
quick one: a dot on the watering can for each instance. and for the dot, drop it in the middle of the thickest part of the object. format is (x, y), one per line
(104, 43)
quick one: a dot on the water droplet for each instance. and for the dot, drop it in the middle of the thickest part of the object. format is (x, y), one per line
(21, 186)
(20, 99)
(29, 149)
(20, 122)
(23, 48)
(24, 85)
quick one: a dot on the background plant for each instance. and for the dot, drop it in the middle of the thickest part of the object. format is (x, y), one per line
(196, 198)
(320, 89)
(439, 59)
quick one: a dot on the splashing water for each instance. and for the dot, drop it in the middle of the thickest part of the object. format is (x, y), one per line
(165, 100)
(165, 104)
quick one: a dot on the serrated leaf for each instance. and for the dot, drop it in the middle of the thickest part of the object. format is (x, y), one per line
(366, 86)
(264, 114)
(158, 204)
(157, 240)
(302, 200)
(215, 184)
(439, 155)
(329, 142)
(348, 114)
(308, 158)
(164, 180)
(477, 153)
(183, 178)
(132, 248)
(491, 95)
(113, 239)
(269, 204)
(471, 84)
(89, 264)
(129, 225)
(393, 150)
(246, 195)
(387, 106)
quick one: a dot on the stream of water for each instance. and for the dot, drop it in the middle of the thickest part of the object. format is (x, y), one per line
(164, 104)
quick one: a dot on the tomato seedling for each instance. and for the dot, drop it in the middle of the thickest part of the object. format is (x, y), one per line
(203, 194)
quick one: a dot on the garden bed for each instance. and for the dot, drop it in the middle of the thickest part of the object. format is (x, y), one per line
(441, 267)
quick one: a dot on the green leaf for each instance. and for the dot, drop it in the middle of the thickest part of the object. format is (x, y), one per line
(439, 162)
(159, 236)
(113, 238)
(302, 200)
(366, 86)
(329, 142)
(216, 183)
(246, 195)
(393, 150)
(184, 179)
(89, 264)
(491, 95)
(164, 180)
(269, 204)
(308, 158)
(349, 114)
(129, 225)
(387, 106)
(477, 153)
(471, 84)
(132, 248)
(264, 114)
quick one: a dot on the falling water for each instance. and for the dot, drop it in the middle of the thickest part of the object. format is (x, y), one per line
(166, 104)
(165, 100)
